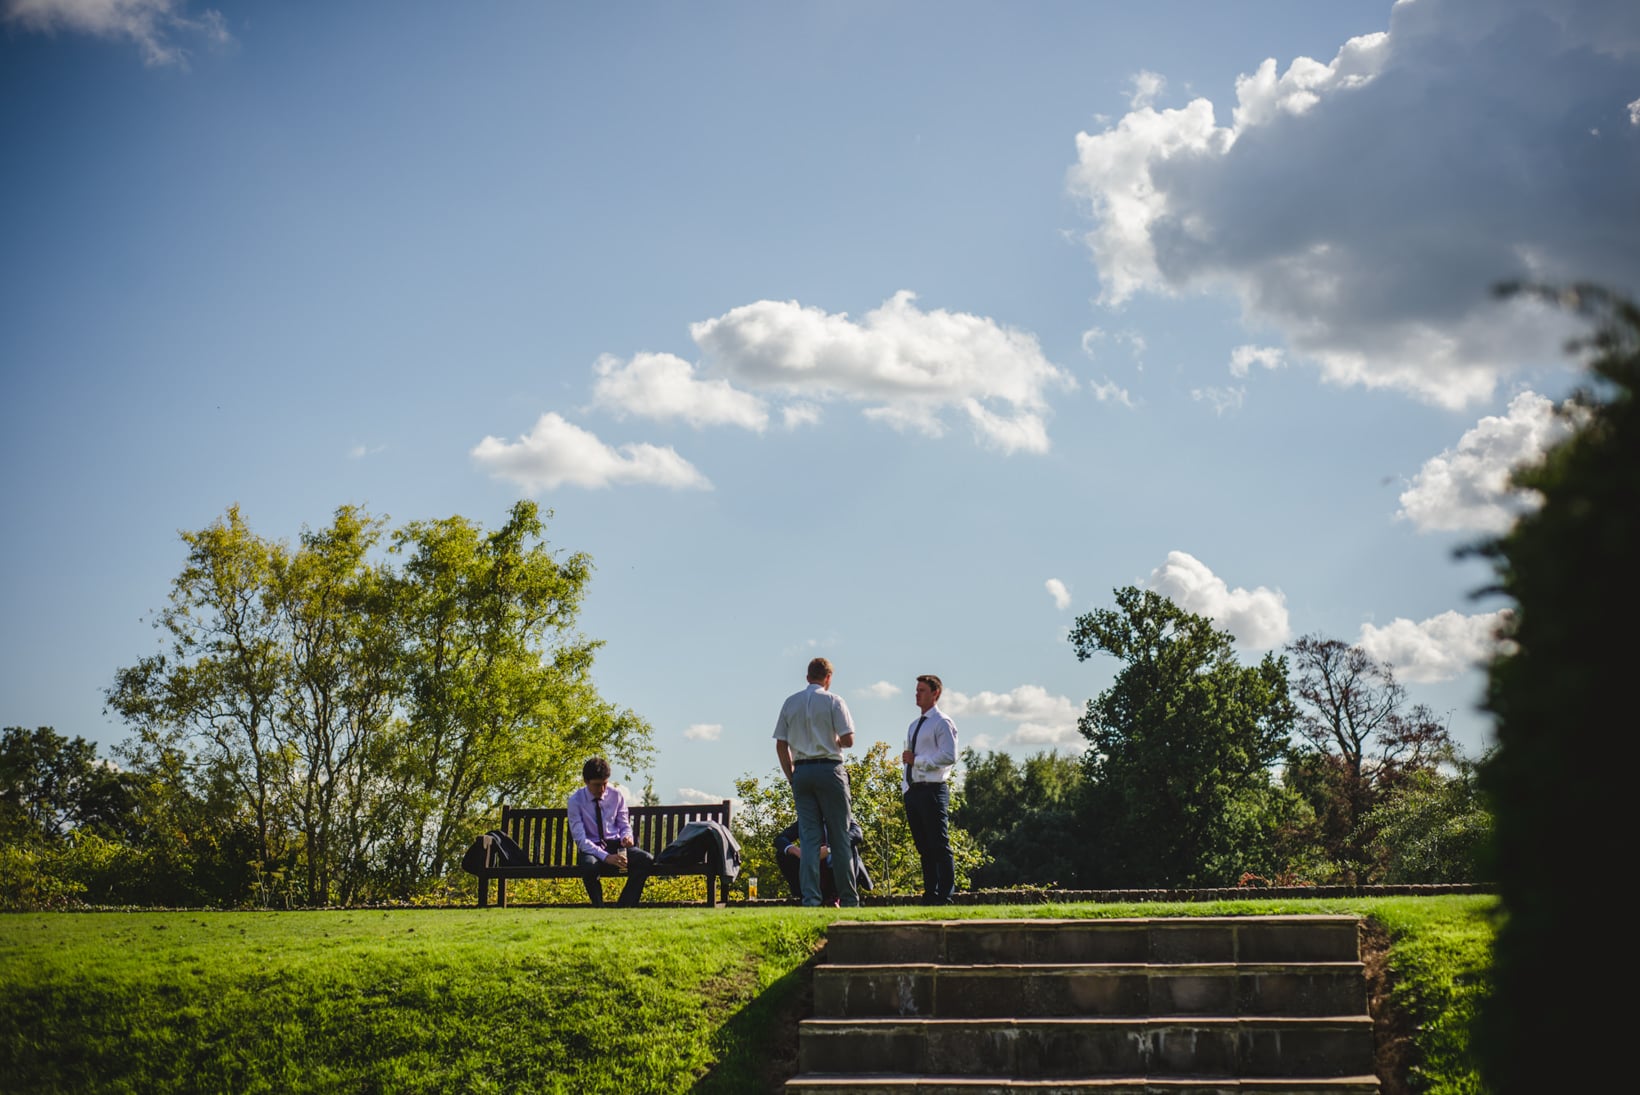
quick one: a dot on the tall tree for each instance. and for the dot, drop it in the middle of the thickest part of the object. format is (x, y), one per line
(1359, 741)
(338, 698)
(1182, 746)
(216, 687)
(1559, 692)
(499, 697)
(370, 718)
(51, 786)
(1020, 813)
(1433, 828)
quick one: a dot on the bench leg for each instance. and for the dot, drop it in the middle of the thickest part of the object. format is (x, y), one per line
(483, 891)
(501, 893)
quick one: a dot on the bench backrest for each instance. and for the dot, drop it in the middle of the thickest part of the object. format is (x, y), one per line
(543, 832)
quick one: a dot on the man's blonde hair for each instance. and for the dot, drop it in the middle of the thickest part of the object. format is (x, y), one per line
(819, 670)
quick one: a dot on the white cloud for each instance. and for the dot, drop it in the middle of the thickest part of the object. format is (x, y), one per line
(1061, 596)
(1467, 489)
(1108, 391)
(360, 451)
(703, 731)
(557, 453)
(1371, 243)
(707, 798)
(882, 690)
(909, 367)
(1146, 86)
(1438, 649)
(152, 25)
(1257, 618)
(794, 415)
(1222, 399)
(1111, 392)
(662, 386)
(1244, 357)
(1043, 720)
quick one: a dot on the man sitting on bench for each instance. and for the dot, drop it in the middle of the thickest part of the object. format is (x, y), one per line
(602, 831)
(787, 856)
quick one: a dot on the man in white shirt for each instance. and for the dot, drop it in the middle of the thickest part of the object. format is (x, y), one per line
(810, 735)
(930, 755)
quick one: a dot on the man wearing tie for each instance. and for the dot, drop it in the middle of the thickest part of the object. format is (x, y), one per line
(602, 830)
(930, 755)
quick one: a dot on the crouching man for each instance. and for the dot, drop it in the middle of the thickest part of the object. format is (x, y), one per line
(602, 830)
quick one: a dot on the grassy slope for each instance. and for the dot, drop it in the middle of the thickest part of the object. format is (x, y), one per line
(549, 1000)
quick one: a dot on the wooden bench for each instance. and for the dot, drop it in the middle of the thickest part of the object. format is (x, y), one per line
(543, 833)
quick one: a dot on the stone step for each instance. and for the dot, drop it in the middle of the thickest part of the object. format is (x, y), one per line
(1028, 991)
(879, 1084)
(1191, 940)
(1247, 1047)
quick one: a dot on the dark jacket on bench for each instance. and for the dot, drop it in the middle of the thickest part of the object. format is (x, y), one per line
(703, 842)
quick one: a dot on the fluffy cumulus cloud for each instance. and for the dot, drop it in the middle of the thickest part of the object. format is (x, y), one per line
(703, 731)
(1257, 618)
(1438, 649)
(908, 368)
(882, 690)
(156, 27)
(1043, 721)
(707, 798)
(1375, 260)
(1466, 489)
(1061, 596)
(662, 386)
(557, 453)
(1243, 358)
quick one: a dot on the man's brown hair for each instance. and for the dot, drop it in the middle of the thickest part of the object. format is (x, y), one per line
(819, 670)
(931, 681)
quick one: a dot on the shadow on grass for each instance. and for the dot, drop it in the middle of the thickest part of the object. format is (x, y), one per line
(756, 1049)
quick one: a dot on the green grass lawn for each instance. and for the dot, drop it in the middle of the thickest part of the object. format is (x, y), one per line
(529, 999)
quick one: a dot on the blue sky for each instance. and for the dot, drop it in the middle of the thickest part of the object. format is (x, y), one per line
(900, 333)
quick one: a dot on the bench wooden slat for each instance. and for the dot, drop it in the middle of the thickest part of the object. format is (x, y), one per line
(543, 833)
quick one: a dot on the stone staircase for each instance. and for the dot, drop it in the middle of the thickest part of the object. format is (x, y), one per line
(1250, 1005)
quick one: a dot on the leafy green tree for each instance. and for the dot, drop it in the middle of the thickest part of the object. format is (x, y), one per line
(337, 700)
(498, 691)
(1357, 741)
(51, 786)
(366, 720)
(1022, 814)
(215, 689)
(764, 807)
(1432, 827)
(1181, 750)
(1559, 692)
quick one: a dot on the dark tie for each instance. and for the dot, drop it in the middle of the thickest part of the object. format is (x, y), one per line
(914, 732)
(598, 806)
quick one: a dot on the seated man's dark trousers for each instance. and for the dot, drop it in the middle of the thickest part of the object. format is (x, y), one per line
(593, 870)
(790, 868)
